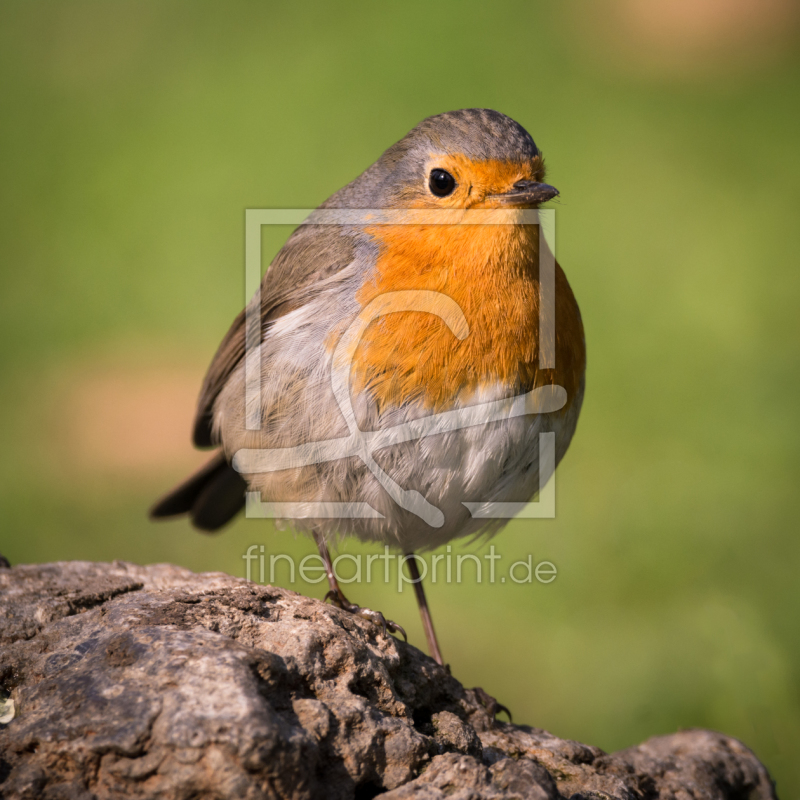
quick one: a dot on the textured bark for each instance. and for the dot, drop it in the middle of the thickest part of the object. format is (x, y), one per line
(139, 682)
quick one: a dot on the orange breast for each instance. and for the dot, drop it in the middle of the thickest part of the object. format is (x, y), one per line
(491, 272)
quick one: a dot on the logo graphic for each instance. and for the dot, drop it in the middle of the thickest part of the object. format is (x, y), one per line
(360, 443)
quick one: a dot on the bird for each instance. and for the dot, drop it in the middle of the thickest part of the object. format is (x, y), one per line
(388, 313)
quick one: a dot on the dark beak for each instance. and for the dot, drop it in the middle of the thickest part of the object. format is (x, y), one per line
(526, 193)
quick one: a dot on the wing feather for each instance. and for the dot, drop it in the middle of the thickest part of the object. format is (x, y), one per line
(311, 254)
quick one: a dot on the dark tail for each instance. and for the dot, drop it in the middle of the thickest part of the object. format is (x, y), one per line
(211, 497)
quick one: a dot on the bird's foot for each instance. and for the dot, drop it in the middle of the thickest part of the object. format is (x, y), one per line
(340, 601)
(493, 708)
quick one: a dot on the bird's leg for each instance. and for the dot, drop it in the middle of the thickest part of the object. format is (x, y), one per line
(484, 698)
(337, 597)
(424, 611)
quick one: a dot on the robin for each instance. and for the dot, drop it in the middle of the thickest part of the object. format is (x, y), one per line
(378, 316)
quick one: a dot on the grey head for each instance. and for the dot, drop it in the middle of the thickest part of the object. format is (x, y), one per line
(457, 159)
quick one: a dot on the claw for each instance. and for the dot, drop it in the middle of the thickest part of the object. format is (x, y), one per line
(372, 616)
(333, 597)
(491, 705)
(340, 601)
(394, 628)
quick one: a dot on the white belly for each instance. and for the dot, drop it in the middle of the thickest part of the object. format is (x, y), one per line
(494, 462)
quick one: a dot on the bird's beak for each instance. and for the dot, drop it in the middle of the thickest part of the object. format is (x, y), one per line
(524, 194)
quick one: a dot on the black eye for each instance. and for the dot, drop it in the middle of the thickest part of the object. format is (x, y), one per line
(441, 183)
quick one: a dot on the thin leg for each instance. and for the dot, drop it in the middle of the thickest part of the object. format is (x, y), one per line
(424, 611)
(485, 699)
(326, 560)
(337, 597)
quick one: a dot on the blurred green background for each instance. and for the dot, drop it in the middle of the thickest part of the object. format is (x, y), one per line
(133, 137)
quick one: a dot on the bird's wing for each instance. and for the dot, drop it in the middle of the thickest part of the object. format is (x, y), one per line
(311, 254)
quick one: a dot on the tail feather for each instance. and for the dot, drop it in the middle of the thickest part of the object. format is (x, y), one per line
(211, 497)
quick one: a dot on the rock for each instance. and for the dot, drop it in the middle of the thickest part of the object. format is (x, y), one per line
(138, 682)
